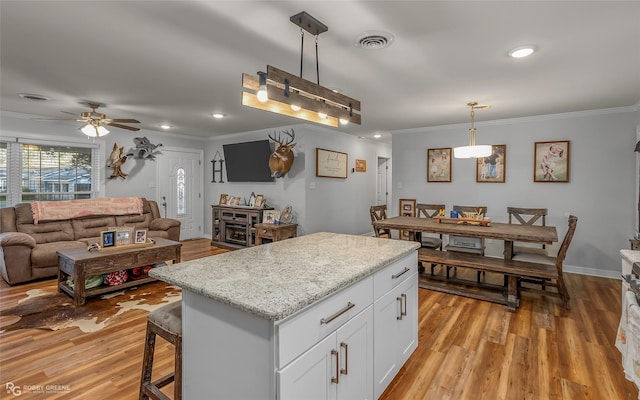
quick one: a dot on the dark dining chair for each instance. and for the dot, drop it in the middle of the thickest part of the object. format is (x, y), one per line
(469, 209)
(528, 216)
(377, 213)
(558, 261)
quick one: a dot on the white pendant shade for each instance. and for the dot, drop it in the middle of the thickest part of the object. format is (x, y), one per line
(477, 151)
(92, 131)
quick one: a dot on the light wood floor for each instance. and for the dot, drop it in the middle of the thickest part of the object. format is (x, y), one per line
(468, 349)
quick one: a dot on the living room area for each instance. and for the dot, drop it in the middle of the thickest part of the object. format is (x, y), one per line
(166, 68)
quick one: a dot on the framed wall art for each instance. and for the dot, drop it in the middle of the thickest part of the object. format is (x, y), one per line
(331, 164)
(492, 169)
(551, 161)
(361, 165)
(439, 165)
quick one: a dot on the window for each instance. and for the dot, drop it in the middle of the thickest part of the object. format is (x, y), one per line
(43, 172)
(180, 185)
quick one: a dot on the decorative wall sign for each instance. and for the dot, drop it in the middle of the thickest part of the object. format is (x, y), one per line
(551, 162)
(494, 167)
(439, 165)
(331, 164)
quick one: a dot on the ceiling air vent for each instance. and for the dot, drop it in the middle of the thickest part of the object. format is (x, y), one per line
(374, 40)
(34, 97)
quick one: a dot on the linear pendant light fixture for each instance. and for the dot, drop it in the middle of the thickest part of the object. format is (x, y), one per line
(473, 150)
(286, 94)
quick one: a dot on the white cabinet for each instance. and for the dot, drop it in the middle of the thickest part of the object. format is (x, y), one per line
(396, 327)
(338, 367)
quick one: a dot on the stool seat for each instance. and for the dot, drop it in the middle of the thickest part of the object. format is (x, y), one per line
(168, 318)
(166, 322)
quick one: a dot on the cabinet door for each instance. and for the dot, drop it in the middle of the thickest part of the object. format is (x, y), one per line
(310, 376)
(355, 343)
(396, 327)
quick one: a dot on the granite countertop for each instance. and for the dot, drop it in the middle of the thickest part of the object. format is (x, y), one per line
(277, 279)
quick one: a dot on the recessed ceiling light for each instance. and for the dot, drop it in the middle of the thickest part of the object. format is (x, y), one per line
(165, 126)
(377, 136)
(35, 97)
(218, 115)
(522, 51)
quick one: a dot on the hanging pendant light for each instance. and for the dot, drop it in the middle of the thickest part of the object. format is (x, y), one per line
(473, 150)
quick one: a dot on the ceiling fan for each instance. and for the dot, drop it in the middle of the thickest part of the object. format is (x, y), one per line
(95, 121)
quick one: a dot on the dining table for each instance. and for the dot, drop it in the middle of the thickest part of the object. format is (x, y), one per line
(509, 233)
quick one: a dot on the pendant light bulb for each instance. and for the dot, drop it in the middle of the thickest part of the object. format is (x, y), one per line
(262, 92)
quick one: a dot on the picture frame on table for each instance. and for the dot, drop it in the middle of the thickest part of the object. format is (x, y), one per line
(439, 165)
(492, 169)
(141, 236)
(124, 234)
(270, 216)
(551, 161)
(259, 201)
(108, 238)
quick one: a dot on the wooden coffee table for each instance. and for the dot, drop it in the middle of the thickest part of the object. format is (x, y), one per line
(80, 264)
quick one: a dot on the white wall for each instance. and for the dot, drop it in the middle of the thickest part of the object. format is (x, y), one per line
(601, 191)
(319, 204)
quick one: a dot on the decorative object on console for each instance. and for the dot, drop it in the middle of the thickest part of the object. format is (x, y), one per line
(331, 164)
(282, 158)
(551, 162)
(286, 94)
(223, 199)
(259, 201)
(141, 236)
(408, 209)
(473, 150)
(124, 234)
(144, 149)
(116, 160)
(108, 238)
(492, 168)
(439, 165)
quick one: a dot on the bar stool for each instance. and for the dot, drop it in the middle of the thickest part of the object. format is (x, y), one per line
(166, 321)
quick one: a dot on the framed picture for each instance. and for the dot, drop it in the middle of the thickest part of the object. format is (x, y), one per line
(108, 238)
(492, 169)
(259, 201)
(270, 216)
(331, 164)
(407, 209)
(124, 234)
(551, 162)
(439, 165)
(223, 199)
(361, 165)
(141, 236)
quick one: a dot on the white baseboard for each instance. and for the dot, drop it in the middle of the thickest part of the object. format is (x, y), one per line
(602, 273)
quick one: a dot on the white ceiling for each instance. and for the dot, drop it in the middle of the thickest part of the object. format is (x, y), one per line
(177, 62)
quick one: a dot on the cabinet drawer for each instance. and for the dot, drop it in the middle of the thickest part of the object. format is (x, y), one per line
(312, 324)
(396, 273)
(155, 256)
(265, 233)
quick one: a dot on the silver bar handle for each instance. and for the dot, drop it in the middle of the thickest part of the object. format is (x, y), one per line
(345, 370)
(348, 307)
(404, 298)
(399, 274)
(399, 317)
(337, 378)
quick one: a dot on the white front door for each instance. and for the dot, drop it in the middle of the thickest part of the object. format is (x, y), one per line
(180, 189)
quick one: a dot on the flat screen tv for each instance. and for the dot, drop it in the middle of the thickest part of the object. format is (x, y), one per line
(248, 161)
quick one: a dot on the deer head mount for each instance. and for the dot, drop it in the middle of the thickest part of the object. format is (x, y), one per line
(282, 158)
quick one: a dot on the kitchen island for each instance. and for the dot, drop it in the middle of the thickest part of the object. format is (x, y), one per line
(296, 319)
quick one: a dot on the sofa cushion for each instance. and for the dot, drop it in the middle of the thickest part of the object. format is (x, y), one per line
(91, 226)
(139, 221)
(47, 232)
(44, 255)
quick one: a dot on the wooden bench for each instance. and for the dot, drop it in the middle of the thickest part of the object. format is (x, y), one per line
(512, 270)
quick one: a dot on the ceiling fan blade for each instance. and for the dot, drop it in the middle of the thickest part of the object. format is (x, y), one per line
(116, 125)
(126, 120)
(67, 112)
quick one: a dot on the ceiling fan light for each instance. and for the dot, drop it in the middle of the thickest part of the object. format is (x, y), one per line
(89, 130)
(476, 151)
(102, 130)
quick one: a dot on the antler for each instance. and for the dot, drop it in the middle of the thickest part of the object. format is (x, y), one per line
(292, 135)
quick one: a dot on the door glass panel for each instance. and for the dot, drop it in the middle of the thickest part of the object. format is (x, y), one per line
(180, 204)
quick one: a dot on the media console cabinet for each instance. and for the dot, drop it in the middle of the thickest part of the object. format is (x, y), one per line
(232, 227)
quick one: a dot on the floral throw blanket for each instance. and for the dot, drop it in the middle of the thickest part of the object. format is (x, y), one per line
(66, 209)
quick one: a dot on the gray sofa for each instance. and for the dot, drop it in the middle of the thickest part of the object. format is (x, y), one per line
(28, 250)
